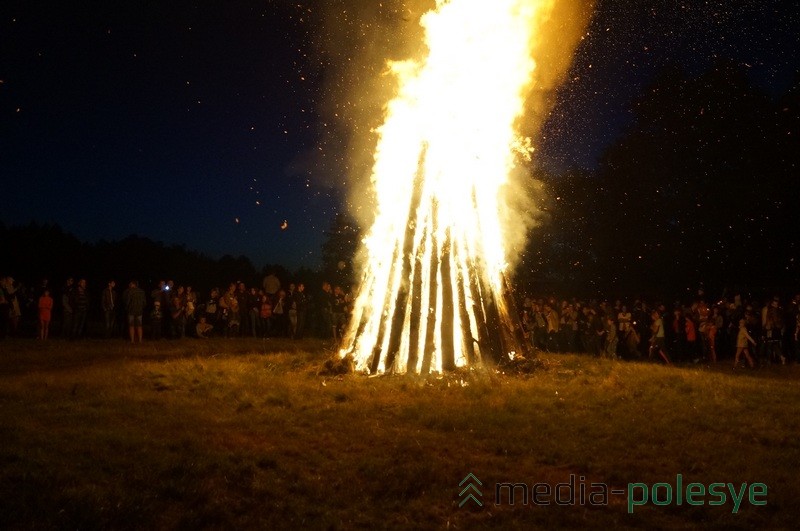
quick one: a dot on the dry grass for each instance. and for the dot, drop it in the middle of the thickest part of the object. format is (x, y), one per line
(248, 434)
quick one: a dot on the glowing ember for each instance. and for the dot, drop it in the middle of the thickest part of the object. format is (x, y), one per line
(434, 294)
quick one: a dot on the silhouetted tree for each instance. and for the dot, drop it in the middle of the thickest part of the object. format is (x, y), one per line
(32, 252)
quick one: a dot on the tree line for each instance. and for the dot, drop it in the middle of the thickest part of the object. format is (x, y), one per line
(701, 190)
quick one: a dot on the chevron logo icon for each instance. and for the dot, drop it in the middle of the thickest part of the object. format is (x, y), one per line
(470, 491)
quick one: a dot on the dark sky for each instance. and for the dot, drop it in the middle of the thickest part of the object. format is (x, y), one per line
(184, 121)
(629, 41)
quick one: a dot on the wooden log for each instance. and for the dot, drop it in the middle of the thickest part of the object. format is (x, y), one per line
(401, 301)
(494, 325)
(490, 328)
(433, 290)
(448, 307)
(478, 310)
(513, 319)
(376, 349)
(416, 306)
(365, 314)
(467, 338)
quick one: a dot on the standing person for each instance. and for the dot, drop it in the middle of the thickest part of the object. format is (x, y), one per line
(586, 329)
(640, 322)
(190, 297)
(272, 285)
(66, 307)
(5, 305)
(134, 300)
(45, 312)
(157, 293)
(211, 308)
(612, 339)
(229, 309)
(678, 345)
(39, 290)
(632, 340)
(253, 310)
(710, 337)
(166, 309)
(178, 313)
(797, 337)
(743, 340)
(539, 326)
(570, 318)
(593, 332)
(691, 339)
(109, 303)
(658, 338)
(719, 323)
(624, 325)
(12, 295)
(242, 297)
(301, 304)
(772, 331)
(553, 322)
(156, 321)
(279, 314)
(161, 296)
(80, 308)
(291, 291)
(265, 314)
(234, 328)
(291, 302)
(624, 320)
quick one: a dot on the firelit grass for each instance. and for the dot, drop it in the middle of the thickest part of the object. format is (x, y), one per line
(254, 434)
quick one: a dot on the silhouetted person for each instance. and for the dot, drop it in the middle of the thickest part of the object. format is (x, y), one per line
(135, 301)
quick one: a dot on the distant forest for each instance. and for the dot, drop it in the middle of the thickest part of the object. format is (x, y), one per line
(33, 252)
(701, 190)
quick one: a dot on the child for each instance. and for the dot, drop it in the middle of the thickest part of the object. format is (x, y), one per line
(266, 315)
(233, 323)
(156, 316)
(632, 340)
(203, 328)
(657, 339)
(611, 338)
(711, 339)
(45, 312)
(742, 341)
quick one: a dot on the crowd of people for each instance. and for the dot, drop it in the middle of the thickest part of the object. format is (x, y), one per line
(759, 333)
(738, 328)
(172, 311)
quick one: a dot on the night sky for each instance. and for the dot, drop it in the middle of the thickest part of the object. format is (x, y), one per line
(206, 123)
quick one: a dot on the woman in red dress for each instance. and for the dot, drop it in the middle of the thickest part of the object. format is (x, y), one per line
(45, 312)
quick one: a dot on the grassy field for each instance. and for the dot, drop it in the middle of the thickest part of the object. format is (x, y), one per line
(248, 434)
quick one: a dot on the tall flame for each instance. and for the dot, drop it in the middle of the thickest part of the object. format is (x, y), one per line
(434, 296)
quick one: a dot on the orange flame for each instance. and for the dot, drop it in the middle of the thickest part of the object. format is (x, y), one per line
(432, 292)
